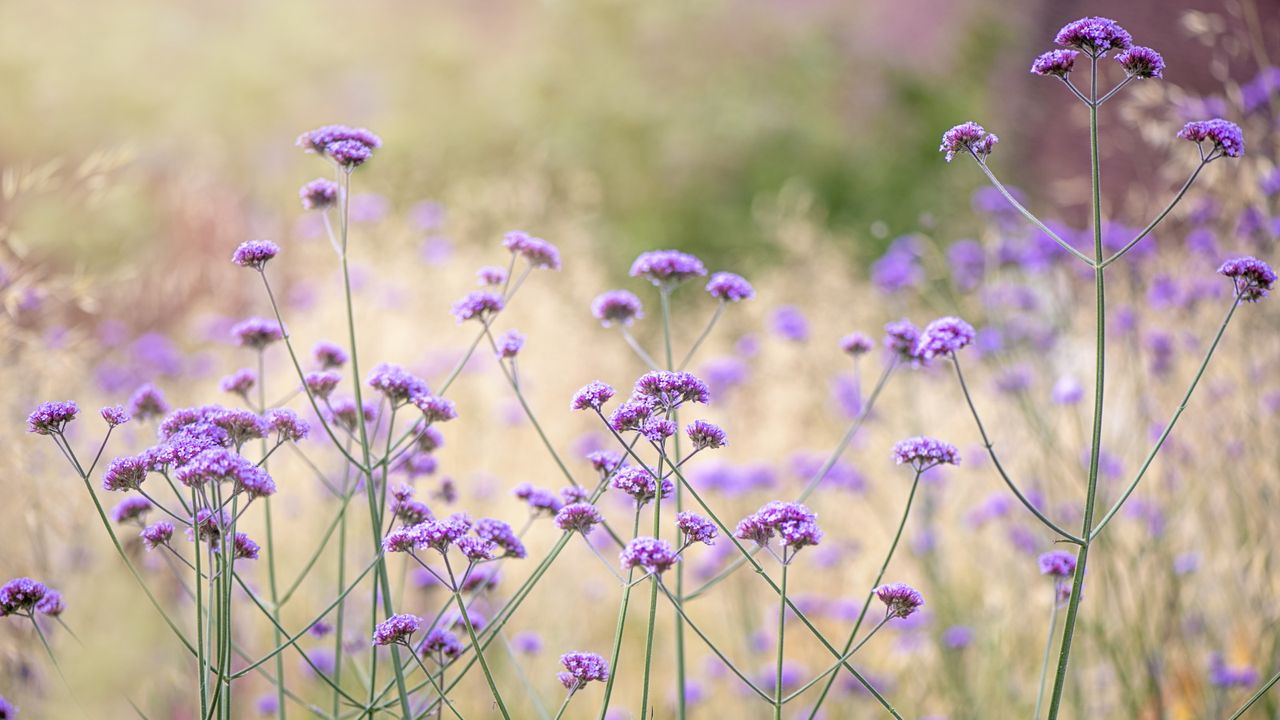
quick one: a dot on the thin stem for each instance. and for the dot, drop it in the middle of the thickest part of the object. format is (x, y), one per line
(712, 646)
(1100, 355)
(488, 675)
(1027, 213)
(1119, 86)
(564, 705)
(617, 632)
(1074, 91)
(635, 347)
(1048, 653)
(706, 331)
(1152, 225)
(839, 661)
(1255, 697)
(782, 634)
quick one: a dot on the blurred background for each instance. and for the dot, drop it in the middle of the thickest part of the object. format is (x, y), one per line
(792, 141)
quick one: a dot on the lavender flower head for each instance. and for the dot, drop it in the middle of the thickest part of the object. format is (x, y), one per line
(923, 453)
(1141, 63)
(943, 336)
(582, 668)
(705, 435)
(286, 424)
(50, 418)
(667, 268)
(1225, 135)
(633, 414)
(476, 549)
(153, 536)
(1057, 564)
(441, 643)
(479, 305)
(239, 382)
(491, 275)
(578, 517)
(396, 630)
(592, 396)
(125, 473)
(318, 194)
(439, 534)
(653, 555)
(510, 343)
(257, 333)
(617, 306)
(856, 344)
(21, 595)
(349, 154)
(398, 385)
(501, 535)
(968, 137)
(696, 528)
(323, 383)
(640, 484)
(1094, 35)
(795, 523)
(329, 355)
(728, 287)
(1055, 63)
(539, 252)
(147, 402)
(115, 415)
(255, 254)
(318, 140)
(1253, 278)
(130, 509)
(900, 600)
(672, 388)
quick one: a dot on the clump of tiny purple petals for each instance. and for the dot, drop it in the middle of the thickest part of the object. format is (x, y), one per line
(922, 453)
(1055, 63)
(729, 287)
(705, 435)
(115, 415)
(239, 382)
(667, 268)
(1225, 135)
(578, 517)
(501, 535)
(255, 254)
(318, 194)
(50, 418)
(653, 555)
(21, 596)
(396, 630)
(1253, 278)
(672, 388)
(943, 336)
(329, 355)
(539, 252)
(696, 528)
(900, 600)
(1141, 63)
(582, 668)
(968, 137)
(856, 344)
(795, 523)
(130, 509)
(257, 333)
(592, 396)
(1058, 564)
(154, 536)
(617, 306)
(479, 305)
(1094, 35)
(640, 484)
(286, 424)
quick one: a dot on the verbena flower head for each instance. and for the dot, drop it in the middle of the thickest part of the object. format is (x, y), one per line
(396, 630)
(20, 596)
(604, 461)
(395, 383)
(1055, 63)
(729, 287)
(510, 343)
(286, 424)
(318, 140)
(539, 252)
(923, 453)
(856, 344)
(501, 535)
(51, 604)
(640, 484)
(1253, 278)
(257, 333)
(147, 402)
(617, 306)
(478, 305)
(672, 388)
(440, 643)
(329, 355)
(255, 254)
(901, 339)
(319, 194)
(240, 425)
(349, 154)
(1094, 35)
(239, 382)
(696, 528)
(115, 415)
(130, 509)
(7, 710)
(592, 396)
(900, 600)
(439, 534)
(705, 435)
(578, 517)
(667, 268)
(657, 430)
(125, 473)
(243, 547)
(1058, 564)
(795, 523)
(943, 336)
(968, 137)
(491, 275)
(1226, 137)
(476, 549)
(153, 536)
(1141, 63)
(632, 414)
(322, 383)
(435, 408)
(404, 539)
(653, 555)
(582, 668)
(50, 418)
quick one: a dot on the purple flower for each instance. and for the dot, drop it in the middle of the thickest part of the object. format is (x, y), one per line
(696, 528)
(322, 384)
(632, 414)
(115, 415)
(440, 643)
(239, 383)
(208, 526)
(348, 154)
(671, 388)
(319, 194)
(667, 268)
(404, 539)
(652, 554)
(1141, 62)
(856, 344)
(968, 137)
(1094, 35)
(501, 535)
(51, 604)
(527, 642)
(255, 254)
(131, 508)
(657, 430)
(398, 385)
(49, 418)
(147, 402)
(286, 424)
(582, 668)
(491, 275)
(1253, 278)
(153, 536)
(795, 523)
(435, 408)
(900, 600)
(478, 305)
(1067, 391)
(592, 395)
(329, 355)
(21, 595)
(125, 473)
(439, 534)
(318, 140)
(923, 453)
(476, 549)
(617, 306)
(957, 637)
(1057, 63)
(257, 333)
(510, 343)
(729, 287)
(640, 484)
(539, 252)
(396, 630)
(578, 517)
(790, 324)
(705, 435)
(1229, 676)
(1225, 135)
(901, 338)
(243, 547)
(7, 710)
(604, 461)
(943, 336)
(1058, 564)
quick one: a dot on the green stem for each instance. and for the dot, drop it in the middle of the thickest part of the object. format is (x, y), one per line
(1255, 697)
(782, 633)
(488, 675)
(1048, 653)
(618, 628)
(271, 546)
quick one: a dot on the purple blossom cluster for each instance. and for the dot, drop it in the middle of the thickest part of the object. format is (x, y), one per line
(667, 268)
(794, 523)
(347, 147)
(396, 630)
(24, 596)
(653, 555)
(581, 668)
(923, 453)
(539, 252)
(900, 600)
(640, 484)
(696, 528)
(255, 254)
(617, 307)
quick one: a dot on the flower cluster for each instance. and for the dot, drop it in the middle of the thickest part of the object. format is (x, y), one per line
(1094, 35)
(539, 252)
(667, 268)
(923, 453)
(729, 287)
(900, 600)
(795, 523)
(696, 528)
(651, 554)
(1058, 564)
(1225, 137)
(944, 336)
(255, 254)
(640, 484)
(348, 147)
(50, 418)
(1055, 63)
(617, 306)
(581, 668)
(968, 137)
(578, 517)
(1252, 277)
(24, 596)
(396, 630)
